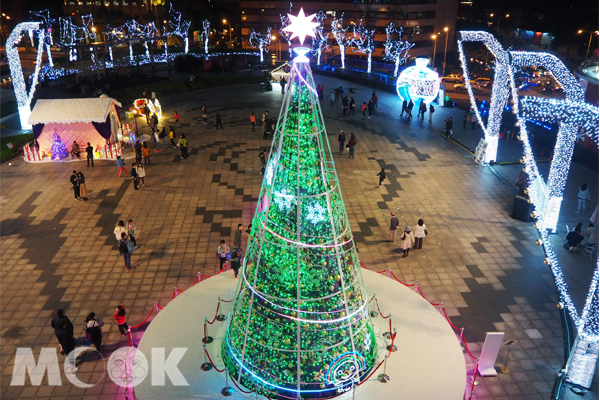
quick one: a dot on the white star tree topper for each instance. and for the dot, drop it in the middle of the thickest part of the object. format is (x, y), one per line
(301, 26)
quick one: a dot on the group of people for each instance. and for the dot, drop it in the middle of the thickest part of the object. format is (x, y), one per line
(410, 238)
(268, 124)
(76, 152)
(407, 107)
(65, 332)
(576, 237)
(78, 182)
(227, 257)
(351, 143)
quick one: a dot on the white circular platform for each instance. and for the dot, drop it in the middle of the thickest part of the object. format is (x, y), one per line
(429, 363)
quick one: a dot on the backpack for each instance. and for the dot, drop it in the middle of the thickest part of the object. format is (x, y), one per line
(123, 248)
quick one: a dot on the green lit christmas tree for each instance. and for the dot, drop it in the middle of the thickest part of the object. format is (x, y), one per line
(299, 326)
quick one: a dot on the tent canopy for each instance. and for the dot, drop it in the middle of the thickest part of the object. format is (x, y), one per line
(68, 111)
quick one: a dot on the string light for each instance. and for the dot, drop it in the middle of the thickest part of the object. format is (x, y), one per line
(286, 34)
(261, 41)
(418, 83)
(180, 27)
(364, 40)
(500, 90)
(16, 71)
(340, 34)
(319, 43)
(205, 35)
(299, 325)
(396, 49)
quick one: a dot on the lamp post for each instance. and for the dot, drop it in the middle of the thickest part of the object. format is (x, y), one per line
(434, 37)
(230, 40)
(590, 41)
(275, 38)
(498, 24)
(445, 50)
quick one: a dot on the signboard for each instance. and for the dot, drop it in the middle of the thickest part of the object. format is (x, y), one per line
(479, 156)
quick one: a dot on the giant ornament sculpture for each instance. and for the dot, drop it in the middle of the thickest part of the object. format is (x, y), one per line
(418, 83)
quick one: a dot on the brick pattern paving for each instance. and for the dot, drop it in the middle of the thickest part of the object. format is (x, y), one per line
(484, 266)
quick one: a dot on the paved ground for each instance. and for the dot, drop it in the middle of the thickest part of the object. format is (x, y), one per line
(482, 264)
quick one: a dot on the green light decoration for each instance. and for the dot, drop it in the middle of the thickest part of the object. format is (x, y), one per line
(299, 326)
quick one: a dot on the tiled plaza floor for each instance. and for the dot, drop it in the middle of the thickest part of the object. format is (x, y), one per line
(484, 266)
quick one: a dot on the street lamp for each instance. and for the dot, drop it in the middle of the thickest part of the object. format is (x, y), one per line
(230, 40)
(590, 42)
(445, 49)
(434, 37)
(275, 38)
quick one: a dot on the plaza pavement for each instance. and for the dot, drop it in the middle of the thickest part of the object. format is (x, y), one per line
(484, 266)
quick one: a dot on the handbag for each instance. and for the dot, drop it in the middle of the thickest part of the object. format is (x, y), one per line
(228, 256)
(221, 255)
(426, 233)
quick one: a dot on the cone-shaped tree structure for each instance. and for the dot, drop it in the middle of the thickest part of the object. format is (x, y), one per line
(300, 324)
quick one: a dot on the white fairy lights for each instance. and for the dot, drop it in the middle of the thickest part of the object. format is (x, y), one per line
(364, 41)
(396, 49)
(16, 71)
(204, 36)
(301, 26)
(261, 41)
(319, 43)
(340, 34)
(500, 89)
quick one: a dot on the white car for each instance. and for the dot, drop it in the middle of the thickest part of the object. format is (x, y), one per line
(452, 78)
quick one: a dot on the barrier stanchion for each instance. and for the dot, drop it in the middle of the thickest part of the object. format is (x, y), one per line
(220, 317)
(473, 379)
(198, 279)
(388, 272)
(384, 378)
(227, 391)
(460, 339)
(206, 366)
(206, 338)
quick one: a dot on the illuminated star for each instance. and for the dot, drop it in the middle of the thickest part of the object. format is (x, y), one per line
(301, 26)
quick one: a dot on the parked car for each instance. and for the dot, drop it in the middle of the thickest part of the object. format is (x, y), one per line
(460, 86)
(452, 78)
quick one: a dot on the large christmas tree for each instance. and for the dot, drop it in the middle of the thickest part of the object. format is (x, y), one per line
(300, 326)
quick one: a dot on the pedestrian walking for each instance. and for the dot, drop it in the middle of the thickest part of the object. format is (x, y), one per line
(370, 107)
(176, 116)
(282, 82)
(163, 137)
(332, 100)
(404, 107)
(409, 109)
(75, 150)
(363, 108)
(132, 232)
(126, 249)
(408, 240)
(448, 127)
(422, 109)
(466, 116)
(375, 99)
(342, 141)
(345, 106)
(151, 125)
(351, 143)
(394, 225)
(172, 137)
(472, 119)
(237, 238)
(204, 115)
(263, 161)
(141, 173)
(138, 151)
(90, 155)
(146, 153)
(236, 261)
(119, 318)
(121, 165)
(93, 331)
(420, 232)
(352, 106)
(183, 144)
(338, 93)
(134, 177)
(265, 122)
(381, 175)
(223, 253)
(431, 111)
(82, 188)
(219, 120)
(75, 182)
(63, 329)
(119, 229)
(582, 198)
(252, 120)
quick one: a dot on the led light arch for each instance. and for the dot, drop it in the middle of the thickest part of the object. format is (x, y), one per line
(16, 71)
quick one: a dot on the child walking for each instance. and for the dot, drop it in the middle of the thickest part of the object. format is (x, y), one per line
(132, 231)
(119, 318)
(121, 165)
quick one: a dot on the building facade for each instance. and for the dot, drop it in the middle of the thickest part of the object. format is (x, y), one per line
(420, 20)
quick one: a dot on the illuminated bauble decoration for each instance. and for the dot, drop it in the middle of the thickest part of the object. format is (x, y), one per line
(418, 82)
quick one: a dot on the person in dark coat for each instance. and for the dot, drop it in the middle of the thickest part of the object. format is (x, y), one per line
(75, 182)
(82, 188)
(219, 120)
(63, 329)
(135, 177)
(236, 261)
(409, 110)
(90, 154)
(404, 107)
(263, 161)
(448, 127)
(342, 141)
(93, 328)
(381, 175)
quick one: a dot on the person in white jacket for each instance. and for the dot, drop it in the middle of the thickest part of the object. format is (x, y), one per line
(582, 198)
(408, 240)
(120, 228)
(420, 232)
